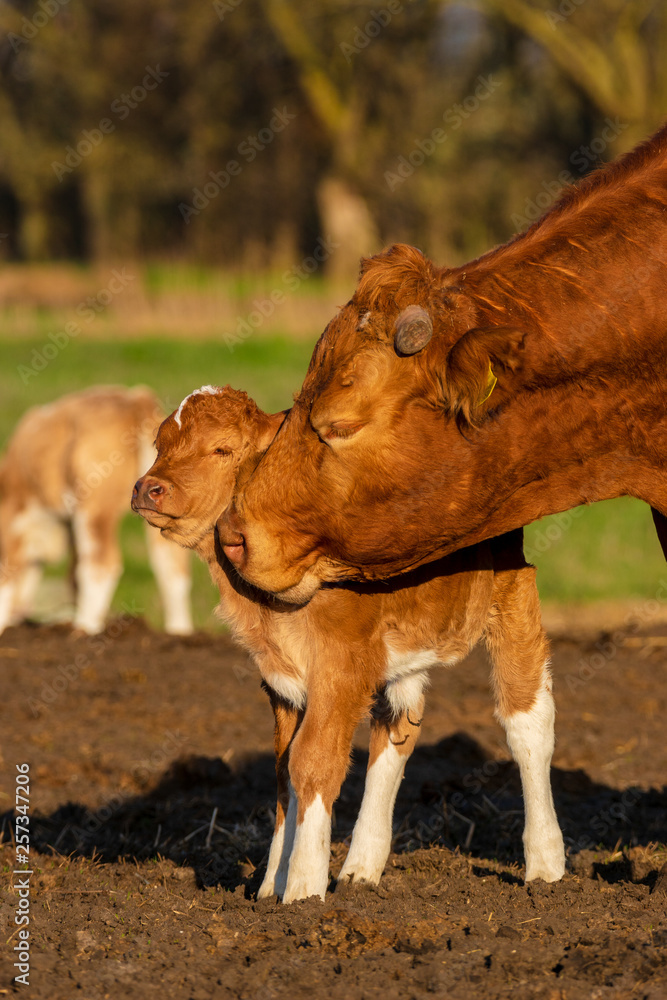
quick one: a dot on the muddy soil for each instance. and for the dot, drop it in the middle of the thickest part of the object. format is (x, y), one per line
(151, 803)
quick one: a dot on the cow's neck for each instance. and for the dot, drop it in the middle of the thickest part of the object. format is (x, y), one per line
(554, 450)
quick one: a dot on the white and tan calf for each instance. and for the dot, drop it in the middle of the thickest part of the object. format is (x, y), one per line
(355, 651)
(64, 481)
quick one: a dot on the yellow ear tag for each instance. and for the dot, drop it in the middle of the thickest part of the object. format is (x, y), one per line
(490, 386)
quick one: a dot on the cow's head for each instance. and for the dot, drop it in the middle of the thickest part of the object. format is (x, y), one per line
(399, 378)
(203, 448)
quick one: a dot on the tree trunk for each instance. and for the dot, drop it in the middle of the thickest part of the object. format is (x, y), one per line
(33, 234)
(348, 228)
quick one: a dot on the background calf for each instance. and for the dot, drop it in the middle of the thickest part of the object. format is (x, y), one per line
(68, 468)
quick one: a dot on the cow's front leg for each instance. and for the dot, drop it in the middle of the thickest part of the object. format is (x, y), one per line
(318, 762)
(392, 741)
(287, 720)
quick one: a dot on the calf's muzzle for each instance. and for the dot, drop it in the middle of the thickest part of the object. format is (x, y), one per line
(148, 493)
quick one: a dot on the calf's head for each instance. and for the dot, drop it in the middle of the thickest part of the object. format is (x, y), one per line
(348, 486)
(203, 448)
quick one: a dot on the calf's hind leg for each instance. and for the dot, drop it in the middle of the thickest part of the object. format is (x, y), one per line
(287, 720)
(525, 708)
(392, 741)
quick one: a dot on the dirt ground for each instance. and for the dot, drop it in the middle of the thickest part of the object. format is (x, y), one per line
(151, 803)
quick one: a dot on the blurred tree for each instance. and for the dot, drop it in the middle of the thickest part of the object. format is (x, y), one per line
(241, 131)
(613, 50)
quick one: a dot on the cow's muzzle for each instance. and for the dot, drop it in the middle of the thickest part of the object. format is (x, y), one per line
(231, 538)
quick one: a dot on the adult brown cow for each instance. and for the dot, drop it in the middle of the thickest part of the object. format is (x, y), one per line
(446, 406)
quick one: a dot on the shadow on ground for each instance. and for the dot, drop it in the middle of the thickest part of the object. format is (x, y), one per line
(218, 820)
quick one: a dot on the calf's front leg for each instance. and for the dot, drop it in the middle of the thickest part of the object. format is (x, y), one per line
(319, 757)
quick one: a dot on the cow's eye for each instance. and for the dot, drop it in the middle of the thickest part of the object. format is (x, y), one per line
(223, 451)
(342, 429)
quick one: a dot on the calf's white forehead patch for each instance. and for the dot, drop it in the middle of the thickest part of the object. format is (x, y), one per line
(206, 390)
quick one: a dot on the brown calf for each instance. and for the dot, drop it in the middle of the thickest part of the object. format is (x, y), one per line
(357, 650)
(445, 406)
(69, 465)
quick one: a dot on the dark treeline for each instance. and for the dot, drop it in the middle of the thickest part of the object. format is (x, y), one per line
(242, 131)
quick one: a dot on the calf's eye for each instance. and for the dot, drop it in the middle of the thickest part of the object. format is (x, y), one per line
(223, 451)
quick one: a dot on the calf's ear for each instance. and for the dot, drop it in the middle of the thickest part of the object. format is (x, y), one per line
(480, 369)
(413, 330)
(269, 428)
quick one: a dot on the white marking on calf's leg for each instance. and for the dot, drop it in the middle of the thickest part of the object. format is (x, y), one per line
(96, 587)
(308, 873)
(6, 603)
(96, 579)
(371, 839)
(171, 568)
(26, 589)
(275, 880)
(530, 737)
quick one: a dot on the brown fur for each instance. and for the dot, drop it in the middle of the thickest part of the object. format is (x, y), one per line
(73, 462)
(570, 318)
(335, 646)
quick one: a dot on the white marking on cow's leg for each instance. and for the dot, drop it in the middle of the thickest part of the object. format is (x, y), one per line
(308, 873)
(96, 580)
(530, 736)
(371, 840)
(275, 879)
(171, 567)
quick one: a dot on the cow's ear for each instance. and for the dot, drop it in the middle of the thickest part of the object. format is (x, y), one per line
(480, 370)
(413, 330)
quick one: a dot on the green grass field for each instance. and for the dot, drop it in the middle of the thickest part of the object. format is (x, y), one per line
(607, 551)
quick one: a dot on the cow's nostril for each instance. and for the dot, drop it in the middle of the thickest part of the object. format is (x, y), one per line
(235, 550)
(156, 491)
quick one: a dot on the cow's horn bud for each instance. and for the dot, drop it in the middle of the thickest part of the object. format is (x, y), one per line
(414, 329)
